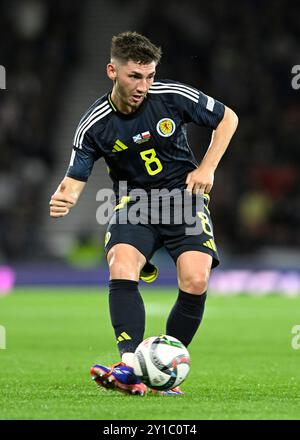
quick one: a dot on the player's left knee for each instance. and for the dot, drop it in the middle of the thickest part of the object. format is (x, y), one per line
(195, 283)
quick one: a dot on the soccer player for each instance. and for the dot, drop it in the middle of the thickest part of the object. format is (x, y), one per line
(139, 128)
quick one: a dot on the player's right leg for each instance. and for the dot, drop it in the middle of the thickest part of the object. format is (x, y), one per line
(127, 316)
(128, 247)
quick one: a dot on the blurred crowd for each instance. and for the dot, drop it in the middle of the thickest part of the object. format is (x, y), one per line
(38, 48)
(240, 53)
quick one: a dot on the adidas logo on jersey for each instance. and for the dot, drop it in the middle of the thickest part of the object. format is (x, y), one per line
(119, 146)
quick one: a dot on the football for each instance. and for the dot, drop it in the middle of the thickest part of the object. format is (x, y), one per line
(161, 362)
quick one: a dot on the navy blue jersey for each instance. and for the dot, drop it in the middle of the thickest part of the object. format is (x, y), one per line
(148, 148)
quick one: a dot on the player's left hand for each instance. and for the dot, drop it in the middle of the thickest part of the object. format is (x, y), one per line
(200, 181)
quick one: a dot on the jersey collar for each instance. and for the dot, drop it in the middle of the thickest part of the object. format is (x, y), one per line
(124, 115)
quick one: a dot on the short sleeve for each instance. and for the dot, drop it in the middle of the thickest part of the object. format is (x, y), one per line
(208, 111)
(193, 105)
(83, 158)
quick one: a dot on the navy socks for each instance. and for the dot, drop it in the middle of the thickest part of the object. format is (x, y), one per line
(186, 316)
(127, 314)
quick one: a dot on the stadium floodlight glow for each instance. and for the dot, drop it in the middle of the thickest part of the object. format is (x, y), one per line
(2, 77)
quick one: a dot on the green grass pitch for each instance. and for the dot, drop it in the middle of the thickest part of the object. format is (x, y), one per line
(242, 363)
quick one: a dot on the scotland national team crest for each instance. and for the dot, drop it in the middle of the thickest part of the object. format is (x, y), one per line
(166, 127)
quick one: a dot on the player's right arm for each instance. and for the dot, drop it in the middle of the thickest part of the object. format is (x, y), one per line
(84, 154)
(65, 197)
(86, 151)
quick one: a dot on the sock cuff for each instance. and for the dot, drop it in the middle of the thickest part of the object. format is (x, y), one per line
(191, 298)
(122, 284)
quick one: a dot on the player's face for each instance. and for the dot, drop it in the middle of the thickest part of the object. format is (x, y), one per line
(131, 83)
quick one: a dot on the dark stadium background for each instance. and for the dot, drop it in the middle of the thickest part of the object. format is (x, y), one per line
(54, 318)
(242, 53)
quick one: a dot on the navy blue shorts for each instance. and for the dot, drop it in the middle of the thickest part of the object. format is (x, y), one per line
(182, 226)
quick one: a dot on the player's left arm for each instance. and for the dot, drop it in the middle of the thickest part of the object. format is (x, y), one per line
(201, 180)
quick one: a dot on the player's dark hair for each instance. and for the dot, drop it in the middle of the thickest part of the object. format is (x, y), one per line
(135, 47)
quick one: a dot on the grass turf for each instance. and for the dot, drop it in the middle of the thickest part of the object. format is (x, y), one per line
(243, 365)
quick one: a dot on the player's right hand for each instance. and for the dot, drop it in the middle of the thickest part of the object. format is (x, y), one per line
(65, 197)
(60, 204)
